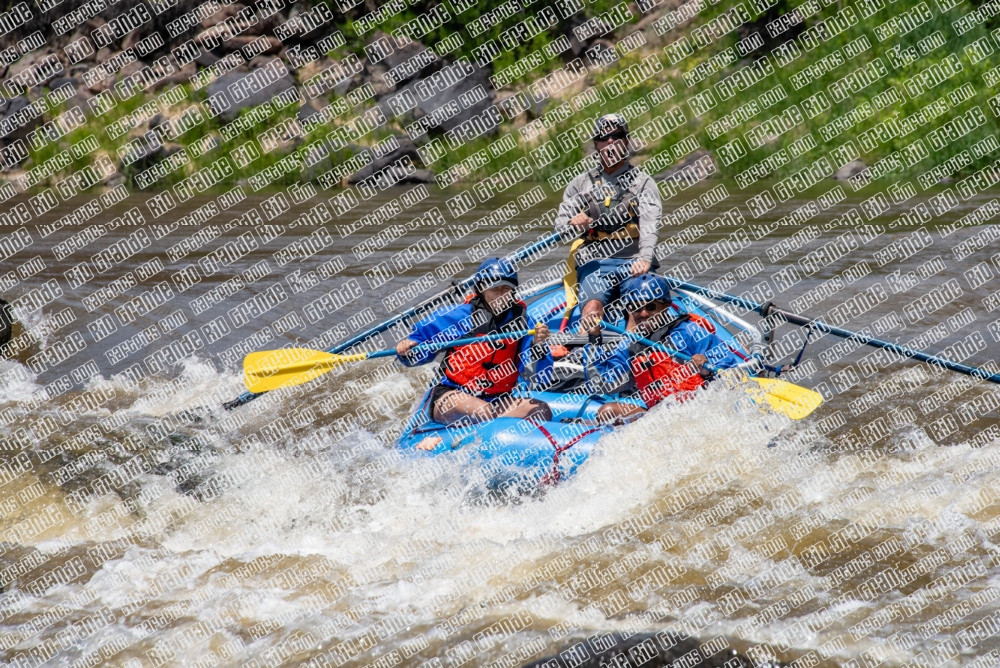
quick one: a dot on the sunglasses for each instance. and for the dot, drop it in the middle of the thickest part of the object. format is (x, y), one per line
(651, 307)
(613, 135)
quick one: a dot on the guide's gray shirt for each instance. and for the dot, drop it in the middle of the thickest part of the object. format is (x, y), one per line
(650, 209)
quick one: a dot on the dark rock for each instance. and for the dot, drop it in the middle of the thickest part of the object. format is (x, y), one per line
(6, 325)
(239, 41)
(260, 61)
(420, 176)
(225, 12)
(80, 99)
(207, 59)
(642, 649)
(849, 170)
(143, 158)
(223, 101)
(181, 76)
(674, 171)
(305, 113)
(409, 62)
(115, 179)
(376, 76)
(59, 82)
(537, 108)
(15, 105)
(475, 86)
(406, 148)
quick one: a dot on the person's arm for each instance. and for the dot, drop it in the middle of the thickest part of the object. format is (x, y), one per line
(613, 365)
(447, 324)
(692, 339)
(650, 210)
(569, 210)
(535, 358)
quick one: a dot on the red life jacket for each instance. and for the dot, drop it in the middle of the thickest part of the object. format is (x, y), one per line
(490, 367)
(657, 375)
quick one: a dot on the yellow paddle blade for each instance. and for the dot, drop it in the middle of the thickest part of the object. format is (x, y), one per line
(270, 369)
(792, 400)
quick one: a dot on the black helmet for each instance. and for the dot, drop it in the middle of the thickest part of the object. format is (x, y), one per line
(609, 125)
(496, 271)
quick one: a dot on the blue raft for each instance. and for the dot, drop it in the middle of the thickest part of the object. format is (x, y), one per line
(549, 451)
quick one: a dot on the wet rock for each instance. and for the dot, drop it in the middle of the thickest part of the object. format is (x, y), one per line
(406, 148)
(849, 170)
(642, 649)
(420, 176)
(223, 101)
(674, 171)
(6, 325)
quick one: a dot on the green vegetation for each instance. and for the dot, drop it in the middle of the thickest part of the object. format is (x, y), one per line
(927, 46)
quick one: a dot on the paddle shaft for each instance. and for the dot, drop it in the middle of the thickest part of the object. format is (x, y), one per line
(805, 321)
(441, 345)
(657, 346)
(458, 288)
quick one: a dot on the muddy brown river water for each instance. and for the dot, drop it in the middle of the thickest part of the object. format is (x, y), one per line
(143, 525)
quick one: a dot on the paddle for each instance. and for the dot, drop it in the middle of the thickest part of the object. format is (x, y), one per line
(270, 369)
(768, 309)
(785, 398)
(427, 304)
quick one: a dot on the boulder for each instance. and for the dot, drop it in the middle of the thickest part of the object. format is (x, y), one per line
(59, 82)
(406, 148)
(406, 64)
(207, 59)
(29, 61)
(849, 170)
(181, 76)
(420, 176)
(80, 100)
(14, 105)
(6, 325)
(308, 114)
(409, 62)
(460, 92)
(239, 41)
(225, 12)
(376, 76)
(223, 100)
